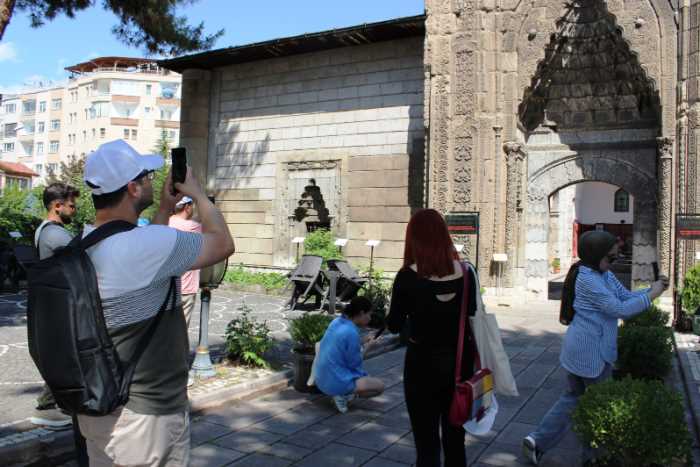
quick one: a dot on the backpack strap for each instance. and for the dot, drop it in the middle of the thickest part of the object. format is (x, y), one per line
(101, 233)
(146, 339)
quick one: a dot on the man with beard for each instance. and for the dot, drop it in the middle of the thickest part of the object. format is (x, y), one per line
(135, 270)
(59, 201)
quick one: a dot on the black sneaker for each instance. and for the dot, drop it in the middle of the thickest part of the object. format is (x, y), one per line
(52, 419)
(530, 451)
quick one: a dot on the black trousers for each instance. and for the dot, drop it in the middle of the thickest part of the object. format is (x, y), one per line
(429, 381)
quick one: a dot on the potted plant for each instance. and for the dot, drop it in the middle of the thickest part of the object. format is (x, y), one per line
(556, 265)
(306, 331)
(690, 296)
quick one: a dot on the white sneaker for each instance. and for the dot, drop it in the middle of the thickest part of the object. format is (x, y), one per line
(51, 418)
(190, 381)
(530, 451)
(341, 402)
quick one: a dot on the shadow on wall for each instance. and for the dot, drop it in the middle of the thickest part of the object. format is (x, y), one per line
(243, 158)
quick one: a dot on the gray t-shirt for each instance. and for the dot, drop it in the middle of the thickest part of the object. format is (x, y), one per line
(49, 237)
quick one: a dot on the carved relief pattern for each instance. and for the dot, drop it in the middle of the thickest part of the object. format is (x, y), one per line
(462, 192)
(515, 157)
(307, 165)
(440, 167)
(665, 161)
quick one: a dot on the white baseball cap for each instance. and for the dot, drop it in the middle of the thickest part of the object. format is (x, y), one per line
(114, 164)
(183, 201)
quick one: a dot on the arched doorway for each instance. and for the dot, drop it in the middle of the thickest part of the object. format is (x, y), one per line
(577, 209)
(591, 114)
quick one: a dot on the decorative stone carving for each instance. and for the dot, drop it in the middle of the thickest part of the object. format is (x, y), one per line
(665, 172)
(515, 157)
(307, 165)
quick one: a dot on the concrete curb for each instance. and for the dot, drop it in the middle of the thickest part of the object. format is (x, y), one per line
(686, 377)
(39, 446)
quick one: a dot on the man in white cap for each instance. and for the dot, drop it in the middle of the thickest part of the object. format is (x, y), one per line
(182, 220)
(134, 270)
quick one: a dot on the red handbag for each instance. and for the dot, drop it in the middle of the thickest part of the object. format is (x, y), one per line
(471, 397)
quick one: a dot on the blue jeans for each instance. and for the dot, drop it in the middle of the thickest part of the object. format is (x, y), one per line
(554, 425)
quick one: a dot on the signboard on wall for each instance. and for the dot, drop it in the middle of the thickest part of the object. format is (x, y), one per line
(463, 224)
(688, 226)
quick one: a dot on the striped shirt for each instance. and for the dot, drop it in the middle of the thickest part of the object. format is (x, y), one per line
(591, 339)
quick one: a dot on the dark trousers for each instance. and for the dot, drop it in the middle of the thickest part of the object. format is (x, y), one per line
(81, 455)
(428, 384)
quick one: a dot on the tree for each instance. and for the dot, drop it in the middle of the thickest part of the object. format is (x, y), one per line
(152, 24)
(163, 148)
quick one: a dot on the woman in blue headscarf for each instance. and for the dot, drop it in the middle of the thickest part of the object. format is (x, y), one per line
(593, 301)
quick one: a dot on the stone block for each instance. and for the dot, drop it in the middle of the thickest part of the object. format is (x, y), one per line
(244, 217)
(508, 61)
(369, 163)
(254, 245)
(378, 179)
(251, 230)
(386, 249)
(253, 259)
(245, 206)
(379, 214)
(378, 197)
(395, 231)
(337, 455)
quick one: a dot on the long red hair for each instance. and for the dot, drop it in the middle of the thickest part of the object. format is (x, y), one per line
(429, 245)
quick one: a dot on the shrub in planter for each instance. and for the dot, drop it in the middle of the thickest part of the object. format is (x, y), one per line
(690, 294)
(306, 331)
(247, 340)
(644, 351)
(636, 423)
(321, 243)
(378, 293)
(654, 316)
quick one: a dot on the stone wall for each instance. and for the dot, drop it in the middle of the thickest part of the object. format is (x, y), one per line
(351, 118)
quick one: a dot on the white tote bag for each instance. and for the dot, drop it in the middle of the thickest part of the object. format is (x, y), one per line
(490, 345)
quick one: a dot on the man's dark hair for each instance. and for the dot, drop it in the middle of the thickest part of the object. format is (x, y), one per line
(357, 306)
(58, 192)
(109, 200)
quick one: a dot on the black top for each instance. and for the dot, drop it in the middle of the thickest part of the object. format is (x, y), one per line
(433, 324)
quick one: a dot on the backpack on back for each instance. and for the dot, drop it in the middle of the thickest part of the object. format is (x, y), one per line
(67, 334)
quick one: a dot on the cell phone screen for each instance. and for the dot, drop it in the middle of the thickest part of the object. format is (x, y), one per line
(179, 166)
(655, 267)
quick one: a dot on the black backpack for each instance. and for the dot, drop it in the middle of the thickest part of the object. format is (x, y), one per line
(67, 334)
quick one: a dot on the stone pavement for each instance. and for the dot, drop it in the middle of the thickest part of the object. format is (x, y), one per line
(289, 428)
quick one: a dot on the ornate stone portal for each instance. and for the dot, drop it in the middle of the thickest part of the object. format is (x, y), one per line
(569, 93)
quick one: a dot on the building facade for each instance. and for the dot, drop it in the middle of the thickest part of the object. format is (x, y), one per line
(492, 107)
(104, 99)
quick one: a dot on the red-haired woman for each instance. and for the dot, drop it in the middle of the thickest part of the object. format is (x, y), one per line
(428, 291)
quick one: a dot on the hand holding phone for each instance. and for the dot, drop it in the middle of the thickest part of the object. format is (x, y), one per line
(179, 167)
(379, 332)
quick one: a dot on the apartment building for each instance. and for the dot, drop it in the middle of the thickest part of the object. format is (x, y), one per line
(104, 99)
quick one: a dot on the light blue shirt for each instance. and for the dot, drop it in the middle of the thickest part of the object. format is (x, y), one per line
(339, 359)
(591, 339)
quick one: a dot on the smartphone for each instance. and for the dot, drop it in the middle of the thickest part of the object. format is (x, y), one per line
(655, 267)
(179, 166)
(379, 333)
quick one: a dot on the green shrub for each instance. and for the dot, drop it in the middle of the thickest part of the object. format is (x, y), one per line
(308, 329)
(645, 352)
(269, 280)
(247, 340)
(690, 294)
(637, 423)
(378, 292)
(654, 316)
(20, 211)
(320, 243)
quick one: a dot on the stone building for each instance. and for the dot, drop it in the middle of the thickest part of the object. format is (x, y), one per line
(490, 106)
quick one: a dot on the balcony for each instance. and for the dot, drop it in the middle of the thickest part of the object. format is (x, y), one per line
(125, 99)
(122, 121)
(25, 136)
(168, 102)
(167, 124)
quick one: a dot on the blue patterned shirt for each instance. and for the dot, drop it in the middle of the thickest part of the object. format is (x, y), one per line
(591, 339)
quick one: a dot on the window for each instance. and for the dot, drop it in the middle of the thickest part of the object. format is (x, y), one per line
(133, 134)
(10, 108)
(40, 148)
(10, 130)
(53, 147)
(42, 106)
(55, 104)
(55, 125)
(168, 90)
(147, 110)
(28, 107)
(8, 147)
(52, 168)
(172, 134)
(149, 89)
(38, 168)
(29, 150)
(40, 127)
(94, 133)
(84, 136)
(622, 201)
(103, 133)
(17, 182)
(126, 133)
(166, 114)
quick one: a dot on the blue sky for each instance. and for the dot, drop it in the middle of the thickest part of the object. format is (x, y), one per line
(31, 55)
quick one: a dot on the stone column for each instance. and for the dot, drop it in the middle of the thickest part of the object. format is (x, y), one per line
(515, 157)
(665, 197)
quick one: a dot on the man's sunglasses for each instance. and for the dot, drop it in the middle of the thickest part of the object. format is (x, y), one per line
(147, 174)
